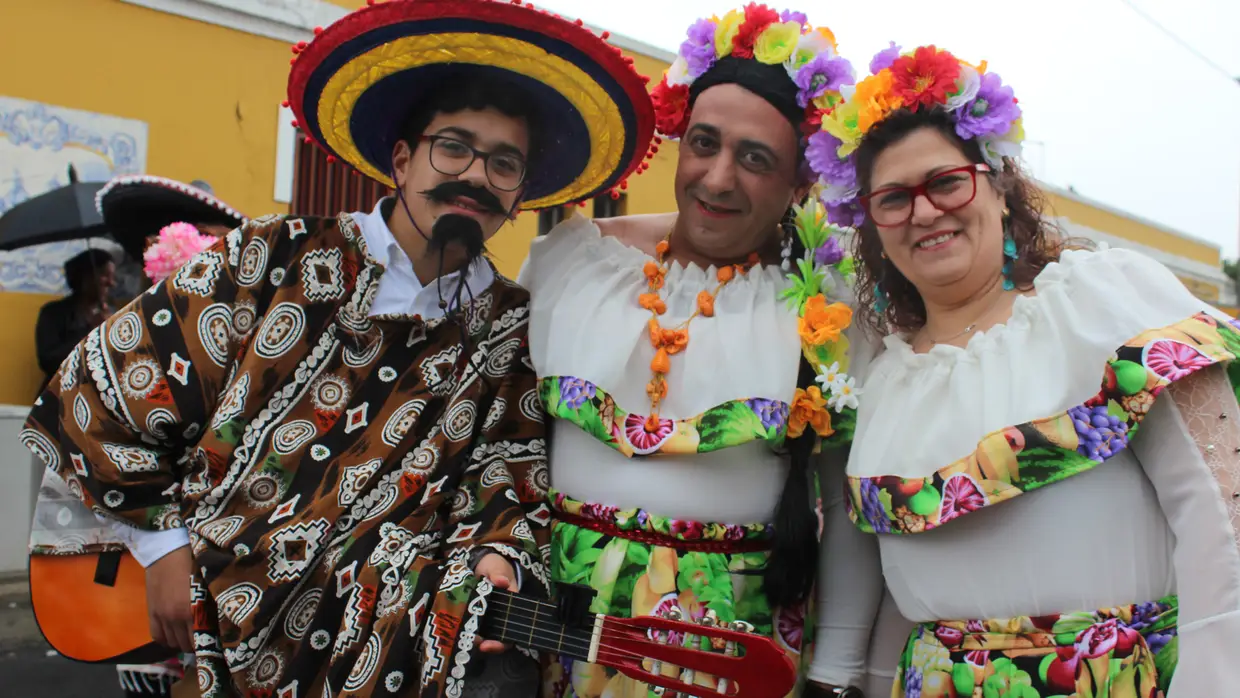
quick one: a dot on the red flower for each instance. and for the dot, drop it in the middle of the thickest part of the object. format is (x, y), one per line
(813, 120)
(925, 77)
(757, 18)
(671, 108)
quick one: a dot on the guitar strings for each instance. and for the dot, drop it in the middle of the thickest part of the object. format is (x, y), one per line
(607, 652)
(622, 622)
(513, 599)
(509, 601)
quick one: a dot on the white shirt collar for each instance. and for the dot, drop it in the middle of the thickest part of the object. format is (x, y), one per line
(400, 292)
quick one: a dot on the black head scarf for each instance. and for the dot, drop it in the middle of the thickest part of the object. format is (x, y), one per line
(770, 82)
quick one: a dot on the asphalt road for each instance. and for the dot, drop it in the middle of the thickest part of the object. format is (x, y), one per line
(31, 673)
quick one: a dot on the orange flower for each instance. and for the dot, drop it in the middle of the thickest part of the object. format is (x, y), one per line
(661, 363)
(654, 276)
(725, 274)
(706, 304)
(661, 248)
(652, 302)
(809, 407)
(656, 389)
(674, 341)
(875, 98)
(822, 323)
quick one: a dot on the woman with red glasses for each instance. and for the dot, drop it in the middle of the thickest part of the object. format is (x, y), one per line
(1048, 431)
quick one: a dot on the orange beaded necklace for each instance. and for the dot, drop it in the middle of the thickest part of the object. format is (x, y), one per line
(667, 342)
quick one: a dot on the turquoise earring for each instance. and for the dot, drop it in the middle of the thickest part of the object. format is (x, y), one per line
(1010, 254)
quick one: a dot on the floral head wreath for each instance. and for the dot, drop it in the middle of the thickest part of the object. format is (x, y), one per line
(759, 33)
(814, 67)
(982, 107)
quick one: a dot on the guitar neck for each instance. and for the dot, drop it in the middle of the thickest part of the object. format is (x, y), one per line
(535, 624)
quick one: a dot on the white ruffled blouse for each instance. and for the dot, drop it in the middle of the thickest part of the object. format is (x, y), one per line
(588, 333)
(1001, 534)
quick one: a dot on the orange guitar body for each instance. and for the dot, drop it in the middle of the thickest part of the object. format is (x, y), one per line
(90, 621)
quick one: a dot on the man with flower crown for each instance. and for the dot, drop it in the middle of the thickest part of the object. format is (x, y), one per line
(334, 423)
(698, 369)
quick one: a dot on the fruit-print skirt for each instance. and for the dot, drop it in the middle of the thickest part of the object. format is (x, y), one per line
(640, 564)
(1125, 652)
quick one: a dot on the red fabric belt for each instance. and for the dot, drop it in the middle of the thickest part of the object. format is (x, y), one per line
(704, 546)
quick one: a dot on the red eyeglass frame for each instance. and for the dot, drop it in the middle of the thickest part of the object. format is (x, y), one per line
(921, 190)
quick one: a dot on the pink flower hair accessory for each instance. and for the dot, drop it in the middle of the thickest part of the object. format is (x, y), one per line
(176, 245)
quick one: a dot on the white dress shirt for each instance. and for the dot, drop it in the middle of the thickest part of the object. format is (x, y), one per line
(400, 293)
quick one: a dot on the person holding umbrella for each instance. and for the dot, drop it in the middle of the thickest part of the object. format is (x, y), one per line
(62, 323)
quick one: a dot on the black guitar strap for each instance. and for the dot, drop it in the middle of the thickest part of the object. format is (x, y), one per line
(107, 567)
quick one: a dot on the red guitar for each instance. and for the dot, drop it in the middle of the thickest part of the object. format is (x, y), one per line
(662, 652)
(92, 608)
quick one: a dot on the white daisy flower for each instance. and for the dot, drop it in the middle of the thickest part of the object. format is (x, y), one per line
(830, 378)
(844, 395)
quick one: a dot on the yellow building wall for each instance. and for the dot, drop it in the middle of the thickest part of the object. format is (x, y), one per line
(209, 95)
(20, 376)
(1129, 229)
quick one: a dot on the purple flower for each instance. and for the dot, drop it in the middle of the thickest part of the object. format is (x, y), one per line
(699, 48)
(822, 154)
(872, 507)
(1144, 614)
(991, 113)
(1102, 435)
(829, 252)
(884, 58)
(821, 74)
(912, 683)
(848, 214)
(1157, 641)
(773, 413)
(793, 16)
(574, 392)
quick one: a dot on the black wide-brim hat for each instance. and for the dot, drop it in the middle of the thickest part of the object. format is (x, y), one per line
(135, 207)
(353, 86)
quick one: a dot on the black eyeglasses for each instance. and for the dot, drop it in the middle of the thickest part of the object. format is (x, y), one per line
(452, 156)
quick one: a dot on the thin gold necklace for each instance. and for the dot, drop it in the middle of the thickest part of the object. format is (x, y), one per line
(973, 325)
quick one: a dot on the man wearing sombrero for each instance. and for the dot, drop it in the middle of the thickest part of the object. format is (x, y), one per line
(341, 413)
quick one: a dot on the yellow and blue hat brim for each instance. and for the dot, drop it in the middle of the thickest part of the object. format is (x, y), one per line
(352, 88)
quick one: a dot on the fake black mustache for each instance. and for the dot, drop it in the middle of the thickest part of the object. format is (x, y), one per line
(446, 192)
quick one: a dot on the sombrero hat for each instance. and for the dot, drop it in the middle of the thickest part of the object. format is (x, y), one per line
(135, 207)
(354, 84)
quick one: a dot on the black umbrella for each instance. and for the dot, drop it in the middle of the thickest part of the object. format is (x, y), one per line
(67, 213)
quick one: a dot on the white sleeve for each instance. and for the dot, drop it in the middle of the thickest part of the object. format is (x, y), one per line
(850, 585)
(147, 547)
(1189, 446)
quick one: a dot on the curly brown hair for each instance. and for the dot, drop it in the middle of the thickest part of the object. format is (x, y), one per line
(1038, 240)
